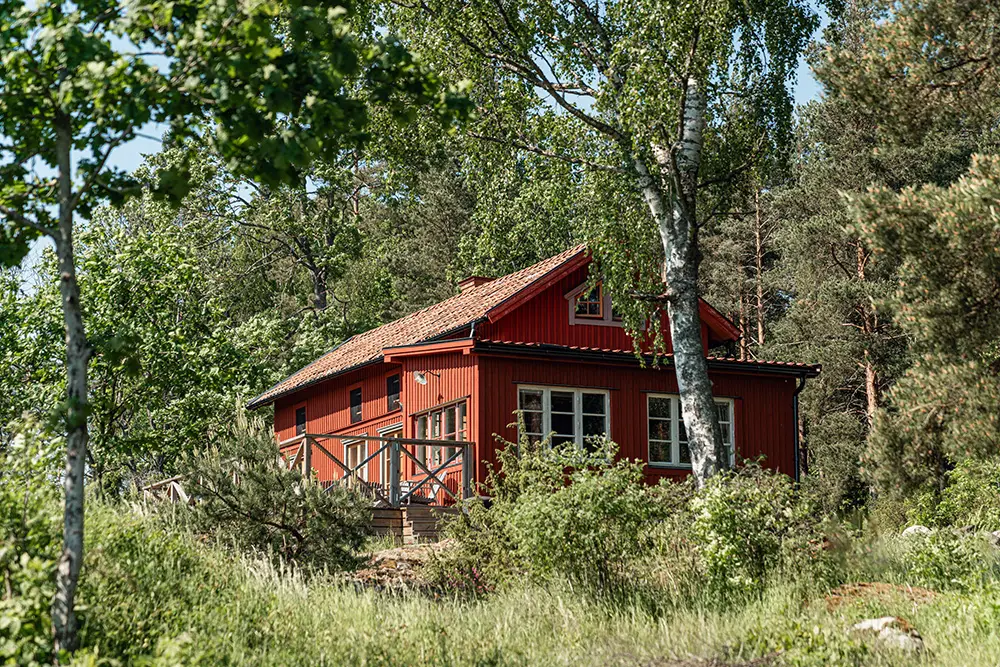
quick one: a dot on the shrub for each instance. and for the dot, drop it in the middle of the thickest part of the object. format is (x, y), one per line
(29, 544)
(972, 496)
(748, 526)
(246, 498)
(945, 561)
(580, 516)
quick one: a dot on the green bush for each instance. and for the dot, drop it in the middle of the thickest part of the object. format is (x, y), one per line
(247, 499)
(945, 560)
(29, 544)
(972, 495)
(576, 515)
(749, 526)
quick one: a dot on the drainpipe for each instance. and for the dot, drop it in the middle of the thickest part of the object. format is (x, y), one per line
(795, 418)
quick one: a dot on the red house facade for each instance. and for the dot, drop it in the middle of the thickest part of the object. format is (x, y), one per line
(541, 343)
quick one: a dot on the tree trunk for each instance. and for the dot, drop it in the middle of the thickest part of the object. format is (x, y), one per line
(743, 323)
(679, 236)
(759, 247)
(868, 326)
(77, 357)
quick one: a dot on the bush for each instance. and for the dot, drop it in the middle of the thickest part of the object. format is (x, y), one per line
(29, 544)
(579, 516)
(749, 526)
(945, 561)
(246, 498)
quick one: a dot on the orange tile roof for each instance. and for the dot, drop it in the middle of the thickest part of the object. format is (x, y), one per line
(461, 310)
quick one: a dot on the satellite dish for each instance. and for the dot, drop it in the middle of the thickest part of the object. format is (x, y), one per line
(419, 377)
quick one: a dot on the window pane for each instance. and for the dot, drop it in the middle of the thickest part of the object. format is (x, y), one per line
(392, 392)
(594, 309)
(685, 453)
(722, 410)
(530, 399)
(422, 427)
(563, 440)
(659, 407)
(562, 401)
(593, 404)
(659, 451)
(435, 424)
(563, 424)
(682, 432)
(449, 423)
(593, 425)
(659, 429)
(727, 434)
(300, 421)
(462, 426)
(533, 422)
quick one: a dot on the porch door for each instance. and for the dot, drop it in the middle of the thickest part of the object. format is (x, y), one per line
(384, 457)
(356, 452)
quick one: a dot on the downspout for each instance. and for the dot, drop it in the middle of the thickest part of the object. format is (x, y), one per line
(795, 418)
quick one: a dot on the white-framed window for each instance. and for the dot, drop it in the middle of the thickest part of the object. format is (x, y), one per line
(446, 422)
(666, 437)
(569, 415)
(356, 451)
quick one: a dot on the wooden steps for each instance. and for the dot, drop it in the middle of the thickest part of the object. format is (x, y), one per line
(412, 524)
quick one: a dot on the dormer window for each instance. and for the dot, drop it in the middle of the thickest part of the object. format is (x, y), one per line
(591, 304)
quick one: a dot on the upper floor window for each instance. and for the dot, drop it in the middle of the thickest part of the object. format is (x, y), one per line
(355, 405)
(667, 438)
(569, 415)
(392, 392)
(300, 420)
(592, 305)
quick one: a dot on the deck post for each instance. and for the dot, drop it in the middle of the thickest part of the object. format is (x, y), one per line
(467, 461)
(306, 458)
(394, 472)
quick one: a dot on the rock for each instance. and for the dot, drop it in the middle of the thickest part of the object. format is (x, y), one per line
(995, 539)
(892, 632)
(916, 530)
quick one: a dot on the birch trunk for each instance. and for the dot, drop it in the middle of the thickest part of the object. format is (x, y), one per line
(77, 357)
(679, 236)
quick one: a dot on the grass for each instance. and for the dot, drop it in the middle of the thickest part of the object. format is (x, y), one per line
(162, 597)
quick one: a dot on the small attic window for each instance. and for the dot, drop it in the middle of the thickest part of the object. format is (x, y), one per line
(591, 304)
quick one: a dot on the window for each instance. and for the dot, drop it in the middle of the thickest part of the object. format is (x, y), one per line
(356, 452)
(591, 304)
(569, 415)
(448, 422)
(668, 445)
(392, 392)
(355, 405)
(300, 420)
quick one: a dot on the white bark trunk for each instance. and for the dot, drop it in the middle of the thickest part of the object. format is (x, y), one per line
(77, 357)
(678, 234)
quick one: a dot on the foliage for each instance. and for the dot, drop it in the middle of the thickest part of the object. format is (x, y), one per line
(945, 561)
(29, 531)
(945, 409)
(748, 528)
(247, 497)
(558, 512)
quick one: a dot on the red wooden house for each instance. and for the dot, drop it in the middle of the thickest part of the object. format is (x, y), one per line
(538, 341)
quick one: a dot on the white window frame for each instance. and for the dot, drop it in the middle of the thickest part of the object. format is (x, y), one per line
(578, 414)
(383, 457)
(675, 421)
(363, 444)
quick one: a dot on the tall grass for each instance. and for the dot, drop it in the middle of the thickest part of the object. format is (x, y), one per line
(158, 596)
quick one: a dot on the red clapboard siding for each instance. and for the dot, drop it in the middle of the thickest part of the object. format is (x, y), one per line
(762, 407)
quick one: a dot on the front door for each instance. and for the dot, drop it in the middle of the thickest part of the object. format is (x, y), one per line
(356, 452)
(385, 456)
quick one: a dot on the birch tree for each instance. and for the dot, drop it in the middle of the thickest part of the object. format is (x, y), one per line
(666, 99)
(277, 84)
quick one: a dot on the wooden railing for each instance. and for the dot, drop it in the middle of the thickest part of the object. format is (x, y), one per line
(426, 485)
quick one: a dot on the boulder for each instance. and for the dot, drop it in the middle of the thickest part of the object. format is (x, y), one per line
(994, 538)
(916, 530)
(892, 632)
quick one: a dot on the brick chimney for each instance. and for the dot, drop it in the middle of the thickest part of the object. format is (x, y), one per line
(472, 281)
